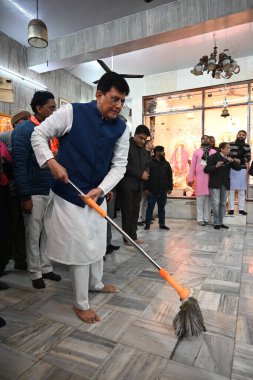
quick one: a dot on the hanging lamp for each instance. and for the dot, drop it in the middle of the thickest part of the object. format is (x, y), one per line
(37, 32)
(225, 112)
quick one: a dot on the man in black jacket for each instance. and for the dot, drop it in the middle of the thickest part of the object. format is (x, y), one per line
(159, 184)
(219, 166)
(130, 187)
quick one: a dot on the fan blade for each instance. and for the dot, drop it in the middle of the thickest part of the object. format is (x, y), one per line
(96, 82)
(105, 67)
(131, 76)
(148, 1)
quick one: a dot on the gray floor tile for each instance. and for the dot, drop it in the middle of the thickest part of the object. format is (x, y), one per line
(81, 353)
(14, 362)
(242, 365)
(129, 363)
(150, 337)
(179, 371)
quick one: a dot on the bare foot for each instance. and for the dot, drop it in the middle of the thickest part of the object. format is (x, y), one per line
(88, 316)
(139, 241)
(109, 289)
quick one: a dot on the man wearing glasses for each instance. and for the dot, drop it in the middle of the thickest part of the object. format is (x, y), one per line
(93, 154)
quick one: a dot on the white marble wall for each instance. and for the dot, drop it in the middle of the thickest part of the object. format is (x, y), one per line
(60, 82)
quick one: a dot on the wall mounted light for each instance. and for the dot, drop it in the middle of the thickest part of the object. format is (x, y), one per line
(20, 76)
(37, 32)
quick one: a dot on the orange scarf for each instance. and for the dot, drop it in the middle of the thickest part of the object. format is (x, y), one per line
(53, 143)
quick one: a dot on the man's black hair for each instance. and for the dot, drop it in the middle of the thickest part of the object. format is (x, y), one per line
(158, 148)
(242, 130)
(112, 79)
(40, 98)
(142, 129)
(222, 145)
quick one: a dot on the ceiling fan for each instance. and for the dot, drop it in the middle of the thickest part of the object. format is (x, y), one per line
(108, 70)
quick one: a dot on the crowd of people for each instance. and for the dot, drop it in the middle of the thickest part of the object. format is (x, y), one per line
(44, 219)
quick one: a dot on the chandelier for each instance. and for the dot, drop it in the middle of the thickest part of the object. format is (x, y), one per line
(225, 66)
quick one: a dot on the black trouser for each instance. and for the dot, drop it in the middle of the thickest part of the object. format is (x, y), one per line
(17, 229)
(130, 206)
(5, 241)
(110, 213)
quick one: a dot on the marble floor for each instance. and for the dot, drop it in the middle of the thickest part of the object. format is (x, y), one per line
(44, 340)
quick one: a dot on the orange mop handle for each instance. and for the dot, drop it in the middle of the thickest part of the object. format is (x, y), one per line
(91, 203)
(182, 292)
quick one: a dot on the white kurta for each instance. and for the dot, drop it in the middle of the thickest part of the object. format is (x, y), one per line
(75, 235)
(238, 179)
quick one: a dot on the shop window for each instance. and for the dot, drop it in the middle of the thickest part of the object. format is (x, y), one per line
(180, 134)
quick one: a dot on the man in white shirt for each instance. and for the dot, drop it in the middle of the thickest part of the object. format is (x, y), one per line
(93, 154)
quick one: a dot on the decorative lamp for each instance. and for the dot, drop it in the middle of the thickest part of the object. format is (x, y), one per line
(224, 66)
(37, 32)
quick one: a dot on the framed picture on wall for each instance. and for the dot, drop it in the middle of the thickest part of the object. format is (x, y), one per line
(5, 122)
(62, 102)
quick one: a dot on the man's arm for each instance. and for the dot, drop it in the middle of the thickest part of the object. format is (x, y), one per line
(57, 124)
(118, 164)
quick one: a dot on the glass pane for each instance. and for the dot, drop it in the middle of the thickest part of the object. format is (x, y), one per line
(180, 135)
(250, 188)
(173, 102)
(235, 94)
(225, 129)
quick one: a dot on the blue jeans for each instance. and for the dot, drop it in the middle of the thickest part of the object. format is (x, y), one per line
(218, 201)
(160, 199)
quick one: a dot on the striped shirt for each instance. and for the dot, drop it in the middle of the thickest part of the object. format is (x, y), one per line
(242, 152)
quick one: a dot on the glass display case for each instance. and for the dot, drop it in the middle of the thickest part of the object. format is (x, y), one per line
(178, 120)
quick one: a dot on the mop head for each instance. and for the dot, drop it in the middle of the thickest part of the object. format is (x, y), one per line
(189, 320)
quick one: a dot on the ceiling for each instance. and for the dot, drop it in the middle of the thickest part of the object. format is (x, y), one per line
(75, 15)
(65, 17)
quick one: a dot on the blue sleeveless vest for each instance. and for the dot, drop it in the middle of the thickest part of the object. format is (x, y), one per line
(86, 151)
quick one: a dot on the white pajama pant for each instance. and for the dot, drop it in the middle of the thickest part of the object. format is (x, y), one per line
(203, 208)
(36, 238)
(85, 278)
(241, 199)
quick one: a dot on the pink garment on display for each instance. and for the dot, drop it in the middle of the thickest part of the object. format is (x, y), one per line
(179, 159)
(197, 171)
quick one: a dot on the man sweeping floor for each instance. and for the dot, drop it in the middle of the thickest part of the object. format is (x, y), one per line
(93, 154)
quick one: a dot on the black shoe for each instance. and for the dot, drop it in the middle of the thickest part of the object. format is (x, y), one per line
(2, 272)
(164, 228)
(2, 322)
(108, 250)
(39, 283)
(51, 276)
(21, 265)
(114, 247)
(231, 212)
(223, 226)
(104, 258)
(216, 227)
(3, 286)
(242, 212)
(147, 227)
(140, 224)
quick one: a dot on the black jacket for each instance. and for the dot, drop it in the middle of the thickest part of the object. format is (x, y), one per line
(219, 176)
(137, 162)
(160, 177)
